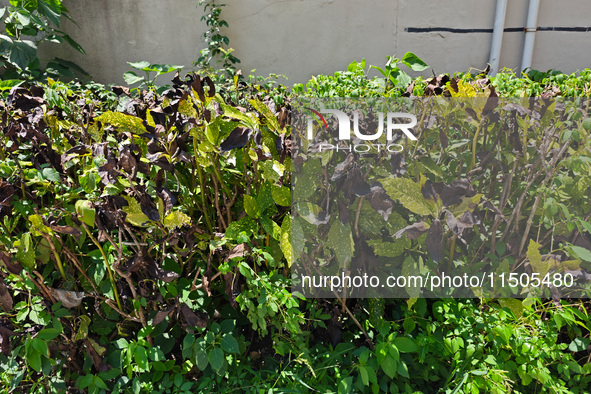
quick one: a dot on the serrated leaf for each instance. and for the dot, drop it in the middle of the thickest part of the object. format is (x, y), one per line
(285, 242)
(86, 212)
(176, 219)
(409, 194)
(123, 122)
(135, 216)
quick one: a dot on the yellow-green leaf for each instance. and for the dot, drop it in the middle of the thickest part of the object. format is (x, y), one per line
(135, 216)
(535, 258)
(38, 226)
(410, 196)
(86, 212)
(266, 112)
(176, 219)
(123, 122)
(26, 251)
(285, 240)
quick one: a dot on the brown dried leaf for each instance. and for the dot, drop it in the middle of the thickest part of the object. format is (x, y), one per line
(413, 231)
(193, 319)
(161, 315)
(5, 298)
(69, 299)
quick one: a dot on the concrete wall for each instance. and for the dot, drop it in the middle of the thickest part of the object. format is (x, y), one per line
(300, 38)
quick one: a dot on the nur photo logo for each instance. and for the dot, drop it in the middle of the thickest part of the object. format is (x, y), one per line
(391, 123)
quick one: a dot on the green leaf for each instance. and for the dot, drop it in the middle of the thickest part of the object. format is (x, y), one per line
(50, 10)
(230, 344)
(141, 65)
(389, 249)
(581, 253)
(140, 356)
(403, 369)
(251, 207)
(176, 219)
(49, 333)
(271, 228)
(410, 196)
(389, 365)
(86, 212)
(345, 386)
(579, 344)
(515, 305)
(51, 174)
(134, 212)
(123, 122)
(83, 327)
(246, 224)
(281, 195)
(340, 240)
(132, 78)
(25, 251)
(34, 360)
(405, 345)
(216, 358)
(73, 43)
(246, 119)
(414, 62)
(201, 360)
(39, 345)
(9, 83)
(266, 112)
(285, 240)
(23, 53)
(364, 375)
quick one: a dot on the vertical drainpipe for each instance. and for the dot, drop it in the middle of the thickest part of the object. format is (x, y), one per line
(530, 33)
(497, 38)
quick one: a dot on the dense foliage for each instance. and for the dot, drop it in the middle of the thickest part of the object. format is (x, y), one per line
(144, 246)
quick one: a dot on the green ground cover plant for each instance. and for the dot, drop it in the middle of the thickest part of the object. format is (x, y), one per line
(144, 244)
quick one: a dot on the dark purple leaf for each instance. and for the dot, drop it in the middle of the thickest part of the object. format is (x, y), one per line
(434, 241)
(237, 139)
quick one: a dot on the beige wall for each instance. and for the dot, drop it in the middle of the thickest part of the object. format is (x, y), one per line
(300, 38)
